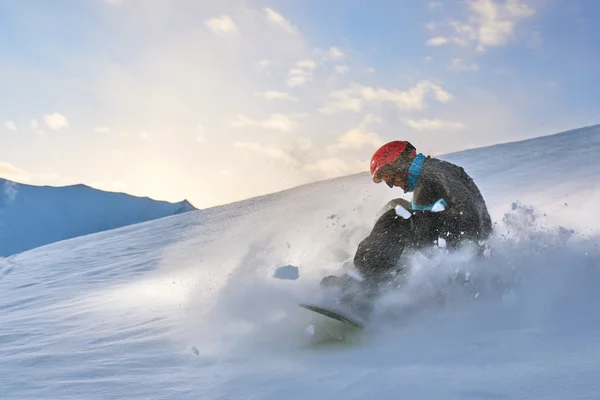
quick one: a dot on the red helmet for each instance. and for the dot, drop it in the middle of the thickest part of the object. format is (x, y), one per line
(392, 153)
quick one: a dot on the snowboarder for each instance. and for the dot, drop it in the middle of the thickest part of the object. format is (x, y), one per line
(446, 204)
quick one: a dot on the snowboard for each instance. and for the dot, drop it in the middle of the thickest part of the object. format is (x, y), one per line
(344, 316)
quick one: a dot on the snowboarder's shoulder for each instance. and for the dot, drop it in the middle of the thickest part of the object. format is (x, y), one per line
(437, 167)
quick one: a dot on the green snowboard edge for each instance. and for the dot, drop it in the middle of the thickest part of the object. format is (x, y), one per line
(333, 314)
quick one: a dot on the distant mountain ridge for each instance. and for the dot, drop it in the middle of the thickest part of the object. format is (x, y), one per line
(33, 216)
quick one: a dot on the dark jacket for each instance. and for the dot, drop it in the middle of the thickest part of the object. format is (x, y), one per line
(466, 216)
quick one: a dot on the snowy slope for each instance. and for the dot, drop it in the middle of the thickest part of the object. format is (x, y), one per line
(186, 307)
(32, 216)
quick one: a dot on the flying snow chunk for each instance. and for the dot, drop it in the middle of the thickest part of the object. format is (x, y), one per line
(354, 274)
(288, 272)
(310, 331)
(442, 243)
(402, 212)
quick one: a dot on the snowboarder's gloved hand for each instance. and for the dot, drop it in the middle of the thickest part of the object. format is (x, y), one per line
(439, 206)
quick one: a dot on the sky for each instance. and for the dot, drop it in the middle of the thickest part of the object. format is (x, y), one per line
(218, 101)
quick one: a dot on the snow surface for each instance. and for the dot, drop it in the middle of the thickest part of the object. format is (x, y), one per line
(32, 216)
(187, 306)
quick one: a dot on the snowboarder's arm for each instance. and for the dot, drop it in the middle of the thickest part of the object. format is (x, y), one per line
(461, 218)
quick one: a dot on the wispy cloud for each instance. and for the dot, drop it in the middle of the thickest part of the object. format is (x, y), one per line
(10, 125)
(262, 65)
(442, 40)
(56, 121)
(435, 124)
(355, 97)
(488, 24)
(280, 21)
(10, 172)
(459, 65)
(275, 95)
(269, 152)
(101, 129)
(306, 64)
(332, 167)
(277, 122)
(222, 25)
(332, 54)
(301, 74)
(358, 137)
(35, 126)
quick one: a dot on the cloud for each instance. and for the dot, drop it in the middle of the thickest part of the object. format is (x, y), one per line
(101, 129)
(333, 167)
(342, 69)
(355, 97)
(442, 40)
(488, 24)
(144, 135)
(518, 9)
(10, 172)
(278, 122)
(301, 74)
(435, 124)
(275, 95)
(283, 23)
(332, 54)
(307, 64)
(10, 125)
(222, 25)
(437, 41)
(359, 137)
(298, 80)
(335, 54)
(114, 2)
(55, 121)
(459, 65)
(329, 166)
(434, 4)
(262, 65)
(35, 126)
(269, 152)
